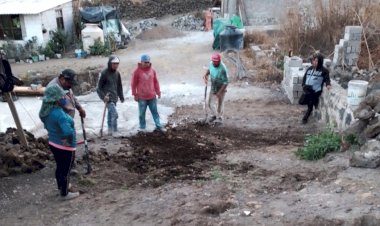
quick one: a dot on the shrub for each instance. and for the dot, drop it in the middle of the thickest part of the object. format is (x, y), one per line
(59, 41)
(99, 48)
(317, 146)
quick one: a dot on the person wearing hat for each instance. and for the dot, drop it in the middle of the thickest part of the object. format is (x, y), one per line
(110, 90)
(218, 73)
(61, 137)
(66, 80)
(145, 89)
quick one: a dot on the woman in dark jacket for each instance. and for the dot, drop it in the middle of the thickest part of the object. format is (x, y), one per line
(313, 80)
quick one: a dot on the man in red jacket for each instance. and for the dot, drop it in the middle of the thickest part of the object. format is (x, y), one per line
(146, 89)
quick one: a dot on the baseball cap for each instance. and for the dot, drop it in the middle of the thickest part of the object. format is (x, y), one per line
(115, 60)
(69, 75)
(145, 58)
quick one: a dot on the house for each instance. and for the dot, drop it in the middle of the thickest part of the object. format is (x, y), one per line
(25, 20)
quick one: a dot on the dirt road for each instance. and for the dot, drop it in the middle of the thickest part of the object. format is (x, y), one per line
(241, 173)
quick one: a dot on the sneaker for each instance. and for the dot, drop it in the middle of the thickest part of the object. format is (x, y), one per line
(141, 131)
(304, 121)
(116, 134)
(70, 195)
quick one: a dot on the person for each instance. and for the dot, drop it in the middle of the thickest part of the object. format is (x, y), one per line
(218, 72)
(315, 76)
(65, 81)
(146, 89)
(7, 79)
(61, 137)
(110, 89)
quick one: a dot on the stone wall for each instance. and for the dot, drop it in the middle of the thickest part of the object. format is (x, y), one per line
(334, 109)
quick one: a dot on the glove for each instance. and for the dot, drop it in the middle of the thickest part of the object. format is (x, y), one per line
(106, 99)
(122, 100)
(82, 113)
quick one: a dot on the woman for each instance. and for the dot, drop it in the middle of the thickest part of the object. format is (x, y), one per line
(315, 76)
(62, 139)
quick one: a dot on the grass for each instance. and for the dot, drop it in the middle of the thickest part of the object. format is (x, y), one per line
(317, 146)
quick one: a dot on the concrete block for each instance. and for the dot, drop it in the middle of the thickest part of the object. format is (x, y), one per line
(353, 29)
(295, 61)
(297, 87)
(294, 79)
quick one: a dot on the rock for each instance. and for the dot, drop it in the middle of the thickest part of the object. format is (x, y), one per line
(372, 130)
(364, 112)
(372, 99)
(368, 156)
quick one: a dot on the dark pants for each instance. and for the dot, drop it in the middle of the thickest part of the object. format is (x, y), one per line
(64, 160)
(312, 101)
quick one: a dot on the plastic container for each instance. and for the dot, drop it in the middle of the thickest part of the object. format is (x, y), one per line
(90, 33)
(231, 38)
(356, 92)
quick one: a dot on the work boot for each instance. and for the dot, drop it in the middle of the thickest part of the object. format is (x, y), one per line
(160, 130)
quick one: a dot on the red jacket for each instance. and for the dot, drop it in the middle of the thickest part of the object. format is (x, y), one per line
(145, 85)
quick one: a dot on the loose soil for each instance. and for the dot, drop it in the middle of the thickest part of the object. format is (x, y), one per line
(241, 172)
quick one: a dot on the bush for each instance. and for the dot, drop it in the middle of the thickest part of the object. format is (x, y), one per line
(317, 146)
(59, 41)
(99, 48)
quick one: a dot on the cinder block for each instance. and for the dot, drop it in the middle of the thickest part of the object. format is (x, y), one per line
(294, 79)
(295, 61)
(353, 29)
(297, 87)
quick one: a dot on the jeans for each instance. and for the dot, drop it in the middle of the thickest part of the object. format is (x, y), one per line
(112, 117)
(64, 160)
(152, 104)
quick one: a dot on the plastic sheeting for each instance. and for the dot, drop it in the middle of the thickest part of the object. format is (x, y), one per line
(98, 13)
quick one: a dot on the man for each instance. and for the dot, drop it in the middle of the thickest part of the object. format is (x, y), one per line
(66, 80)
(146, 89)
(315, 76)
(219, 82)
(109, 90)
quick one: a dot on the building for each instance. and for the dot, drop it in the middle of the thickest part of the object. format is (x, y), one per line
(34, 20)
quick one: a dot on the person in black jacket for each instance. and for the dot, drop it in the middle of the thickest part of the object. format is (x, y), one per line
(313, 80)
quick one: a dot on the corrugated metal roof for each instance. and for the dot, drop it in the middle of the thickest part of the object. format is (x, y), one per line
(8, 7)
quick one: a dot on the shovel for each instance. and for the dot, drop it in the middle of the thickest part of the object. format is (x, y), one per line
(104, 115)
(205, 106)
(86, 153)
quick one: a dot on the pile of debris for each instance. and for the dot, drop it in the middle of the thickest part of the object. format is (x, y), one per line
(15, 159)
(143, 25)
(131, 10)
(189, 23)
(343, 76)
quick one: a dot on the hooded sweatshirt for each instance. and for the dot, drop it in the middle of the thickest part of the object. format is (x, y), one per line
(316, 77)
(110, 82)
(145, 85)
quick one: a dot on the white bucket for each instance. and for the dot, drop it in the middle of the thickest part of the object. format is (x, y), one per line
(356, 92)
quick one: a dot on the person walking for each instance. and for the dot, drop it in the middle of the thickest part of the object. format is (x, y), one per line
(110, 89)
(61, 137)
(146, 89)
(315, 76)
(65, 80)
(218, 73)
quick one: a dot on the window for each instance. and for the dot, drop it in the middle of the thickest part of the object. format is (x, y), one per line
(59, 18)
(10, 27)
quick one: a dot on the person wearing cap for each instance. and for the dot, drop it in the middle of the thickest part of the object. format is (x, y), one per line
(146, 89)
(66, 80)
(61, 137)
(110, 90)
(218, 73)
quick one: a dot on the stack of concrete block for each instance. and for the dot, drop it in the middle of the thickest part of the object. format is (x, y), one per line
(347, 51)
(294, 71)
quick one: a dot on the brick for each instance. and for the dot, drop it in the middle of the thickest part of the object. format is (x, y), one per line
(353, 29)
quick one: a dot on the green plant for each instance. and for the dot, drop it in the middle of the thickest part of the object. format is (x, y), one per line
(47, 51)
(352, 139)
(99, 48)
(59, 41)
(318, 145)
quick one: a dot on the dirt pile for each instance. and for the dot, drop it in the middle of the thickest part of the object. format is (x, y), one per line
(158, 8)
(15, 159)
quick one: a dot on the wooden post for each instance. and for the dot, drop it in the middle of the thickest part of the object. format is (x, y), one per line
(20, 131)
